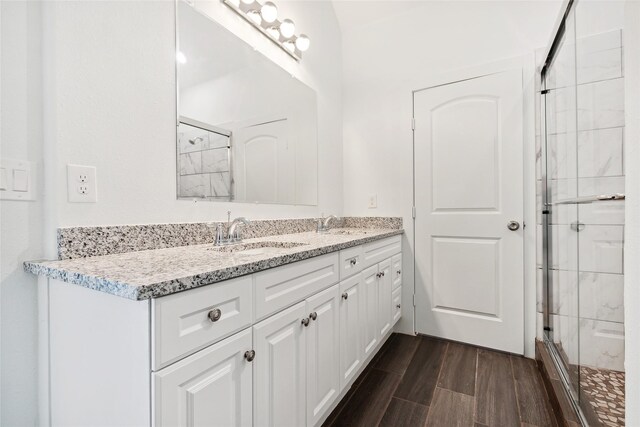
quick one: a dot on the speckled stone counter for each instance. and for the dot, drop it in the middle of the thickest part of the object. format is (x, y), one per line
(154, 273)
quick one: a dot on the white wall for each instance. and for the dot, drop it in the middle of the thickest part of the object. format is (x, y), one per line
(114, 82)
(101, 91)
(20, 222)
(383, 61)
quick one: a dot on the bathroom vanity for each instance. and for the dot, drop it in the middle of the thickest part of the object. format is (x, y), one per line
(270, 332)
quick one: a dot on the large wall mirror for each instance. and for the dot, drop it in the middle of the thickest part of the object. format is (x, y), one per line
(247, 130)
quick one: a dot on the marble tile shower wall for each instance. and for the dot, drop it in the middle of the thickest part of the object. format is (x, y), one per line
(586, 294)
(203, 163)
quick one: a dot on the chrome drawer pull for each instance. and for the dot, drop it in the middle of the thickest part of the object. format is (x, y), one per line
(215, 315)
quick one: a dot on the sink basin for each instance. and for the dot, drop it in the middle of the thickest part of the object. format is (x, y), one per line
(349, 232)
(255, 248)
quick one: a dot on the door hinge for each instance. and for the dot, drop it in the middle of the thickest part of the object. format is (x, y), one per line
(414, 300)
(413, 123)
(545, 91)
(413, 212)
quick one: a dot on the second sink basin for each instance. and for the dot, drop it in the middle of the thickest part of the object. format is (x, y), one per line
(255, 248)
(348, 232)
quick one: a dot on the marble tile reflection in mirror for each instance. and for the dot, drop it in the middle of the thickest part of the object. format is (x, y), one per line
(247, 130)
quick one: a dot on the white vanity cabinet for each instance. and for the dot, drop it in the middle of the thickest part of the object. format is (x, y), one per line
(278, 347)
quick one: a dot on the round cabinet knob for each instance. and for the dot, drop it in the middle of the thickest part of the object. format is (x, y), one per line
(397, 305)
(513, 225)
(313, 315)
(250, 355)
(345, 296)
(382, 274)
(399, 272)
(305, 321)
(215, 315)
(353, 261)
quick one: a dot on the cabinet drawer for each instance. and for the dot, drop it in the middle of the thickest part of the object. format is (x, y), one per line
(374, 252)
(281, 287)
(350, 261)
(182, 325)
(396, 307)
(396, 270)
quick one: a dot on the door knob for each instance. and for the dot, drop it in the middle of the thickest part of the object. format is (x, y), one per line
(513, 225)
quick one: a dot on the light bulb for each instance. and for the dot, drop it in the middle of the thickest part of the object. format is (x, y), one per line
(290, 46)
(274, 32)
(269, 12)
(255, 17)
(181, 58)
(287, 28)
(302, 42)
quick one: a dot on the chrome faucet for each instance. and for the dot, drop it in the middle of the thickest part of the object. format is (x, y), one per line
(323, 223)
(233, 234)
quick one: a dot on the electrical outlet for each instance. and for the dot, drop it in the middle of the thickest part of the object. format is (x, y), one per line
(373, 201)
(81, 184)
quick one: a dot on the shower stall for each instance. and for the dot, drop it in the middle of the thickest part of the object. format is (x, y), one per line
(581, 208)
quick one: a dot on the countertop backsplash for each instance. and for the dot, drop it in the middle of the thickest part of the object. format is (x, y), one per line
(81, 242)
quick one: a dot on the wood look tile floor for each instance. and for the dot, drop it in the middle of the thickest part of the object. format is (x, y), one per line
(424, 381)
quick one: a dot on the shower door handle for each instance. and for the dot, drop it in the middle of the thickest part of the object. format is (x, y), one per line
(513, 225)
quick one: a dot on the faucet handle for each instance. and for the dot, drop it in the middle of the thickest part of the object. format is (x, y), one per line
(219, 234)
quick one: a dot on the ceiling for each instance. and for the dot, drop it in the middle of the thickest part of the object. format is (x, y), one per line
(352, 14)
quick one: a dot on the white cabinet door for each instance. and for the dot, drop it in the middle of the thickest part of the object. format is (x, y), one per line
(323, 353)
(280, 369)
(396, 270)
(211, 387)
(351, 326)
(396, 305)
(370, 331)
(385, 281)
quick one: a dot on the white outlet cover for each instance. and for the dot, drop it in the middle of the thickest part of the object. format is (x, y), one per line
(373, 201)
(80, 178)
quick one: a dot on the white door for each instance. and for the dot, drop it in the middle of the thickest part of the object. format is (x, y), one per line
(351, 322)
(211, 387)
(385, 281)
(280, 369)
(468, 187)
(370, 332)
(323, 353)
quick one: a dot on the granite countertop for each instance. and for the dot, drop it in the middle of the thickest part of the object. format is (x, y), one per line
(154, 273)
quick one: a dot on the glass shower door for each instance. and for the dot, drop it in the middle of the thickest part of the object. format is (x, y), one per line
(562, 216)
(583, 212)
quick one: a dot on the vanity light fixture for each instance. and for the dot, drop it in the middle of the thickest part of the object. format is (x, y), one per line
(264, 16)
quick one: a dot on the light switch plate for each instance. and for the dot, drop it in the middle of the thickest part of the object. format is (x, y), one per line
(17, 179)
(82, 186)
